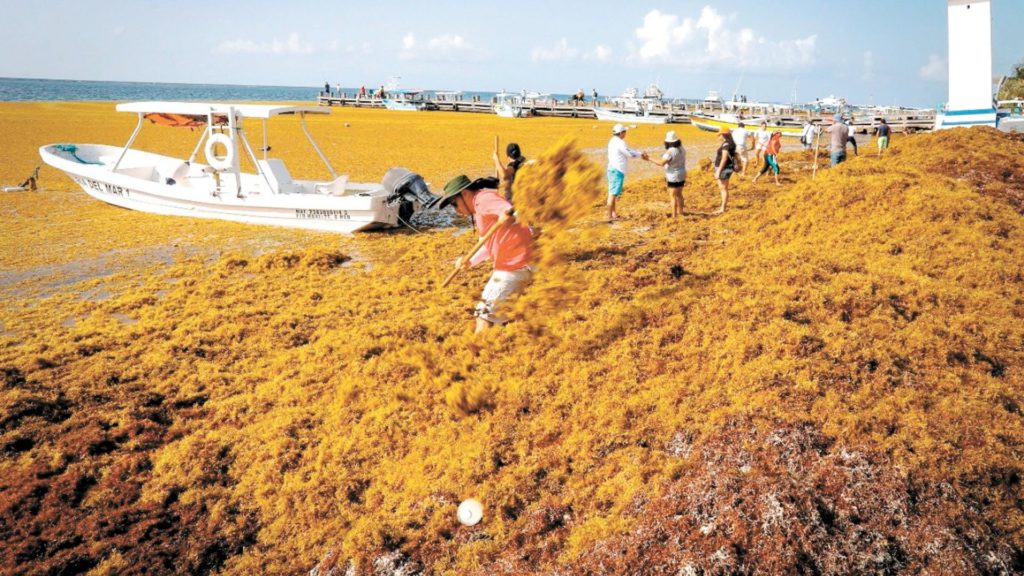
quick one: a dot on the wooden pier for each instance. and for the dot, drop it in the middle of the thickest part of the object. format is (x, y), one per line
(678, 113)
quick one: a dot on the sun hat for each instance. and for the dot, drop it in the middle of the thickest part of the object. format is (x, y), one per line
(671, 136)
(724, 130)
(618, 129)
(453, 188)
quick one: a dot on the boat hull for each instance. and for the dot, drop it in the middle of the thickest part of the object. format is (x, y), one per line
(400, 106)
(140, 183)
(712, 124)
(509, 111)
(626, 117)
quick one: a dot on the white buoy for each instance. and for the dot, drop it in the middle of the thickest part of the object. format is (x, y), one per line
(471, 512)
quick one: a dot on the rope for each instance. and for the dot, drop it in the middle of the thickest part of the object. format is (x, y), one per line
(408, 225)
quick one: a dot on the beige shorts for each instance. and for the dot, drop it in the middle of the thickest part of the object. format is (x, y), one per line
(499, 287)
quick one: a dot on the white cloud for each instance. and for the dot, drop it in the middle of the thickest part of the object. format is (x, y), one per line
(708, 40)
(364, 48)
(601, 53)
(560, 52)
(446, 47)
(292, 45)
(447, 42)
(935, 69)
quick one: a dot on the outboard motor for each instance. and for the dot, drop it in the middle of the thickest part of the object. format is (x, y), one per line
(409, 190)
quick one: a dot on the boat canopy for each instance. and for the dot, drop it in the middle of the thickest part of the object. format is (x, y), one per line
(203, 109)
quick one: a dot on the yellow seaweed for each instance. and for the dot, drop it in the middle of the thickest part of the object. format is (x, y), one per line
(832, 357)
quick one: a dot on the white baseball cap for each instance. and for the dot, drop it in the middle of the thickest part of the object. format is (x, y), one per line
(618, 129)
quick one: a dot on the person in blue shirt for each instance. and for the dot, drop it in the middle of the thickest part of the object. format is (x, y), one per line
(883, 130)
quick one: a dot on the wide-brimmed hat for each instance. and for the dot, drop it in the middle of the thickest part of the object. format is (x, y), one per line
(618, 129)
(724, 130)
(453, 188)
(670, 137)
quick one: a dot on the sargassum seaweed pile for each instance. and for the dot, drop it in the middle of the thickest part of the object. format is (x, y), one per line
(825, 379)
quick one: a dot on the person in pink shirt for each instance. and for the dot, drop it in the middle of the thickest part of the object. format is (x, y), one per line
(509, 246)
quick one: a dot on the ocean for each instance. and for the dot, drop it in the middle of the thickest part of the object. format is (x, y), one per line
(22, 89)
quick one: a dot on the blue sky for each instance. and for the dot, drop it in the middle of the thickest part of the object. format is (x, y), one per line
(869, 51)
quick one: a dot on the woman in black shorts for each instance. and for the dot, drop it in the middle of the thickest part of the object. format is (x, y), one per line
(725, 160)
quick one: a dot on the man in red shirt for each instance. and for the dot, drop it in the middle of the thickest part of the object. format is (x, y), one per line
(509, 245)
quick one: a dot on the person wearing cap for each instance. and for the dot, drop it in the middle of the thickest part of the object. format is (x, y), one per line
(618, 155)
(674, 161)
(510, 246)
(840, 136)
(507, 173)
(725, 162)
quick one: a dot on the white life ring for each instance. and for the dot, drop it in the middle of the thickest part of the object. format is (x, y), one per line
(220, 163)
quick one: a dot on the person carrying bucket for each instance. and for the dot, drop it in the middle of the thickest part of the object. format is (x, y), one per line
(506, 242)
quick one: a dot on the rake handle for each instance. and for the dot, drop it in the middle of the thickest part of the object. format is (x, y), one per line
(480, 244)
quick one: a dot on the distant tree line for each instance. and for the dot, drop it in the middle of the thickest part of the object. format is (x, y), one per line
(1013, 87)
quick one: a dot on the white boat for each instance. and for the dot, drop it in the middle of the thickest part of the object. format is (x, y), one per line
(715, 122)
(508, 105)
(631, 101)
(828, 105)
(642, 116)
(412, 101)
(160, 184)
(712, 101)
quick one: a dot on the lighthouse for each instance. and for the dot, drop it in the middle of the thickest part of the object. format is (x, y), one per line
(970, 65)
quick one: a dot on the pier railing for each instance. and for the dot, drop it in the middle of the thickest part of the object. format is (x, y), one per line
(678, 112)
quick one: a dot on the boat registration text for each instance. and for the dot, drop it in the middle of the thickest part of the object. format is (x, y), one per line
(309, 214)
(90, 184)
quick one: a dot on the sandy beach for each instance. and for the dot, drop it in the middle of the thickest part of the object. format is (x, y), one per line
(807, 371)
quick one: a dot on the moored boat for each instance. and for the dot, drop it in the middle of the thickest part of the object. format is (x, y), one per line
(161, 184)
(508, 105)
(714, 123)
(640, 117)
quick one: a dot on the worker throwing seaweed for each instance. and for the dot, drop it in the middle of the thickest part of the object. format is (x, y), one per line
(502, 239)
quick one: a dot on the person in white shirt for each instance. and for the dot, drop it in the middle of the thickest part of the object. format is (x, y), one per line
(618, 155)
(739, 135)
(761, 138)
(674, 161)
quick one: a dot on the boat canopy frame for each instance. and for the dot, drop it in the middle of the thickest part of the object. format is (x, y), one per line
(215, 115)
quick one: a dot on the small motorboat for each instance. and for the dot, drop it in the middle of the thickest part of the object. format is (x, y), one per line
(411, 101)
(509, 105)
(715, 122)
(641, 116)
(219, 189)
